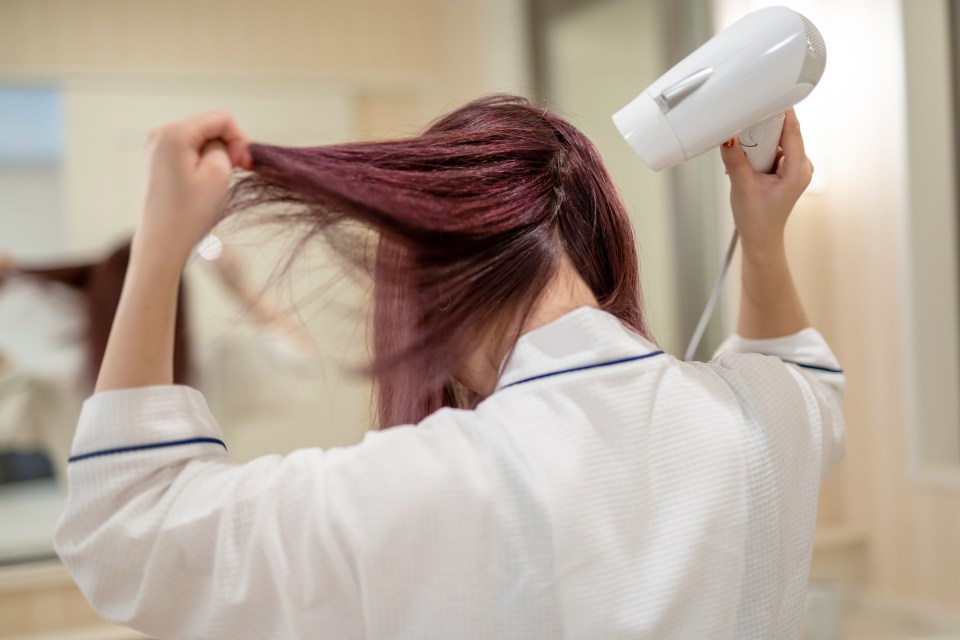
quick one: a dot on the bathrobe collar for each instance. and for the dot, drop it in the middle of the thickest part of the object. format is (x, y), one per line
(583, 338)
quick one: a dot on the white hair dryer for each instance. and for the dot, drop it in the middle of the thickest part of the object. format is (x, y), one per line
(739, 83)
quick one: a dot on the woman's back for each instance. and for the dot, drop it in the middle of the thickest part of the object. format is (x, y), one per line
(604, 490)
(641, 498)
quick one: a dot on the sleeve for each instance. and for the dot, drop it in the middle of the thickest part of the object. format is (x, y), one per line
(811, 370)
(164, 534)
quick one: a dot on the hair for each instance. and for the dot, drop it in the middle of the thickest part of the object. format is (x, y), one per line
(472, 219)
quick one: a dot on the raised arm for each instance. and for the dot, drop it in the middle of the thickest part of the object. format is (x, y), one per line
(161, 531)
(769, 305)
(189, 166)
(806, 394)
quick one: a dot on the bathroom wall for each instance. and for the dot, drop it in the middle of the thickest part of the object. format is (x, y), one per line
(909, 497)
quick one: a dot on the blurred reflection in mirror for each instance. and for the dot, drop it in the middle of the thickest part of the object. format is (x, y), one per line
(55, 319)
(33, 353)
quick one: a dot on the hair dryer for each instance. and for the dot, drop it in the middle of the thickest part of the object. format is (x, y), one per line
(739, 83)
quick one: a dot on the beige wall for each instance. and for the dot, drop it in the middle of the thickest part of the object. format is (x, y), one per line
(363, 38)
(929, 239)
(461, 48)
(916, 487)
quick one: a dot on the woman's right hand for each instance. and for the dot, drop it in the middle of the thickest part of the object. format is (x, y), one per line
(762, 202)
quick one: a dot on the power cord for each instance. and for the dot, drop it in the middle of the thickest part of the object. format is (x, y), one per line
(712, 301)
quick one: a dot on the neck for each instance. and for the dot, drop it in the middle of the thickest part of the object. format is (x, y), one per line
(565, 292)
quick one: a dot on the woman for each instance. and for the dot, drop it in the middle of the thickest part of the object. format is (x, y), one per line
(565, 477)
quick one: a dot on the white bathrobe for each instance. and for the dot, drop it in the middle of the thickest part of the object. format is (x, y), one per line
(605, 490)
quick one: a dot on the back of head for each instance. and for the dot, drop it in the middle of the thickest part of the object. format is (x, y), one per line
(473, 218)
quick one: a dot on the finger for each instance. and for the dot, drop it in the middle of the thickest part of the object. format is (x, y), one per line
(792, 142)
(778, 162)
(220, 125)
(735, 160)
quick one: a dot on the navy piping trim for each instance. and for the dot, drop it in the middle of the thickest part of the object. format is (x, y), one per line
(583, 368)
(815, 367)
(144, 447)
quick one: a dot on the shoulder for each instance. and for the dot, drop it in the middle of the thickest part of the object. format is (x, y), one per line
(764, 386)
(425, 464)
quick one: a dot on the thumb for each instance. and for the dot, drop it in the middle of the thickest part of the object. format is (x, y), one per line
(735, 160)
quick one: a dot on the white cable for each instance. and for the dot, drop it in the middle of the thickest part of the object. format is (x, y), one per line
(712, 301)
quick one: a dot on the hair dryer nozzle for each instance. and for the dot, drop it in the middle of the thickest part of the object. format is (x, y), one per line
(644, 125)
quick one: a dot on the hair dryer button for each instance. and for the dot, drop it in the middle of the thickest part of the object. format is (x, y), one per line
(678, 91)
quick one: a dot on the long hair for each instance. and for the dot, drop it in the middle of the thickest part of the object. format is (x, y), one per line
(472, 220)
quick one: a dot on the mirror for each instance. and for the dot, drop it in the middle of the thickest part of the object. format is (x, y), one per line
(37, 401)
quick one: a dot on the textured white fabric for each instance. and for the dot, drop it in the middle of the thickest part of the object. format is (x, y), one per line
(649, 498)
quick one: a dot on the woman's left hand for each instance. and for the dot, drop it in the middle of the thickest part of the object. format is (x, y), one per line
(189, 163)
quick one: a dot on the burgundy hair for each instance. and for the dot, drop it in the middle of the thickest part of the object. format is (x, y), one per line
(473, 218)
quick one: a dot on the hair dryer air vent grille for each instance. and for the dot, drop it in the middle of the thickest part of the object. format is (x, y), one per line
(816, 58)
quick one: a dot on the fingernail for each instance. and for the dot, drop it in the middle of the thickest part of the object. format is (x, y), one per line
(729, 143)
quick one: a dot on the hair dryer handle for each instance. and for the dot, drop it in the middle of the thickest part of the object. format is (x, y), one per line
(760, 143)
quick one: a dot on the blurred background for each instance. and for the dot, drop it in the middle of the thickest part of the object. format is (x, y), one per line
(873, 243)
